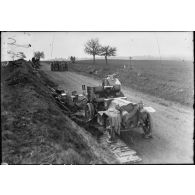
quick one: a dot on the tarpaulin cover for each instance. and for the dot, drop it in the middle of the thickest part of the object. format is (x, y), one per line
(128, 110)
(115, 118)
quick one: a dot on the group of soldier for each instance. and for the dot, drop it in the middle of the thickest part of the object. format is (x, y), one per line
(59, 66)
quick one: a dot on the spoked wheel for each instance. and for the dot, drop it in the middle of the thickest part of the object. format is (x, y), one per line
(89, 112)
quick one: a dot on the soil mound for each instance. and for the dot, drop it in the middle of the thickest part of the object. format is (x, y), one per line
(34, 129)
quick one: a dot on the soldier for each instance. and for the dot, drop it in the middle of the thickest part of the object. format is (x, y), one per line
(51, 66)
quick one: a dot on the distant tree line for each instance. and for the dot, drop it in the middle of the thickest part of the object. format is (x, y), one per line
(93, 47)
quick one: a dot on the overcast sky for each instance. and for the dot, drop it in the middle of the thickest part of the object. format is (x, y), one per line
(65, 44)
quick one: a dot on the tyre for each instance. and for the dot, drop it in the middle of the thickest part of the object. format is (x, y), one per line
(89, 112)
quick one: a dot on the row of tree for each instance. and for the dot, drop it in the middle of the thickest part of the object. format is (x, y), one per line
(93, 47)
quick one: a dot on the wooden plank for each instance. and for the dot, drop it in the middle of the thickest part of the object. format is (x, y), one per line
(120, 150)
(130, 159)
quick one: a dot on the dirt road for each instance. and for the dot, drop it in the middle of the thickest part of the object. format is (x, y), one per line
(172, 123)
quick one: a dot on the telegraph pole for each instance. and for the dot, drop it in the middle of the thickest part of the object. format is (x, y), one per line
(130, 58)
(52, 45)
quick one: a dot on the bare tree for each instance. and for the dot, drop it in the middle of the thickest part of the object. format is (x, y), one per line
(39, 54)
(73, 59)
(107, 51)
(92, 47)
(36, 58)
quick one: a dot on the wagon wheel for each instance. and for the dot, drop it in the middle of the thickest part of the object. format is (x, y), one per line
(89, 112)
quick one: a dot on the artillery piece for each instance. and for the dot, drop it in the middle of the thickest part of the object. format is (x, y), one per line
(107, 102)
(99, 97)
(107, 107)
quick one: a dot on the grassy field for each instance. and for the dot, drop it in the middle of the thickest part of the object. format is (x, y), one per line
(171, 80)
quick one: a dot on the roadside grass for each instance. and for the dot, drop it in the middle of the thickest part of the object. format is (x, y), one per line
(34, 130)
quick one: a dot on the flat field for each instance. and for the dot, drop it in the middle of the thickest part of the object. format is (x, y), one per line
(167, 79)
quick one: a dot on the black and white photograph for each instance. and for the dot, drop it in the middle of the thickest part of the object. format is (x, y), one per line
(97, 97)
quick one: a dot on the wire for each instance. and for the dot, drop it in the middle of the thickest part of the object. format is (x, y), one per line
(12, 42)
(18, 54)
(52, 45)
(158, 48)
(18, 45)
